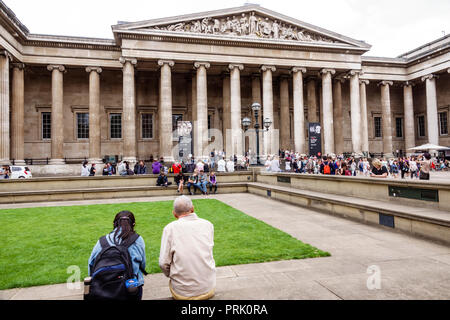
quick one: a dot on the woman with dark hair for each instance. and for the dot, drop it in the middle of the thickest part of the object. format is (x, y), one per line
(123, 234)
(84, 169)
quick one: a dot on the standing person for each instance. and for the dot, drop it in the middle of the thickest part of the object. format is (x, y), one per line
(353, 167)
(200, 165)
(93, 170)
(84, 169)
(213, 158)
(404, 167)
(141, 168)
(425, 167)
(106, 251)
(179, 180)
(186, 254)
(106, 169)
(230, 165)
(212, 182)
(413, 168)
(156, 167)
(176, 167)
(221, 165)
(394, 168)
(275, 164)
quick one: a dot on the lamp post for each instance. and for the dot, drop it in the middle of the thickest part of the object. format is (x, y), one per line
(246, 123)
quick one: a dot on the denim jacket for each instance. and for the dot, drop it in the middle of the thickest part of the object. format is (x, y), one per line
(137, 255)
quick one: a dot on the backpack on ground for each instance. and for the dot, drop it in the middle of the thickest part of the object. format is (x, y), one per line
(111, 269)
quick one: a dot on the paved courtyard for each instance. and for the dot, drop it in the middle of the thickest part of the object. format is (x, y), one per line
(409, 268)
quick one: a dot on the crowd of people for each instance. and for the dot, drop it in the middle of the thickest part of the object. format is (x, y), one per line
(412, 167)
(199, 174)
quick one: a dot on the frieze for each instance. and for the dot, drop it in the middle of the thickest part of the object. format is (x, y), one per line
(246, 25)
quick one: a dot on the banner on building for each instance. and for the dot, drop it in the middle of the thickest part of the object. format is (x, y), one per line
(315, 139)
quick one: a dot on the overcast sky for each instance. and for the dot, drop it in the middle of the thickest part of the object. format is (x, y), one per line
(392, 27)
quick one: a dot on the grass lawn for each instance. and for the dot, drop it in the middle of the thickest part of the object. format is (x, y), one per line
(42, 242)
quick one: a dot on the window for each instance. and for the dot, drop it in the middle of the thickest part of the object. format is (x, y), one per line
(421, 126)
(147, 125)
(175, 119)
(443, 123)
(83, 125)
(46, 125)
(115, 120)
(399, 127)
(377, 126)
(209, 125)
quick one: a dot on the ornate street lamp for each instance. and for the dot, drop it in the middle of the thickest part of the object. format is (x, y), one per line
(256, 107)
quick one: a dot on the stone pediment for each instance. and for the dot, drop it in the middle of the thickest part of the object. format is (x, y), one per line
(247, 22)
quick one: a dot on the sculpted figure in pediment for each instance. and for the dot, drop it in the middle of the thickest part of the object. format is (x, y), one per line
(275, 29)
(244, 25)
(216, 26)
(253, 21)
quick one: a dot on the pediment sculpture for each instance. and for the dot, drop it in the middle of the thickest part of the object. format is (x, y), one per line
(245, 25)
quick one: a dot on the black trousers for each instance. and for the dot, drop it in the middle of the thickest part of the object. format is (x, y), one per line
(212, 186)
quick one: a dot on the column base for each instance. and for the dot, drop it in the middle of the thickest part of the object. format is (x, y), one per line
(130, 159)
(56, 161)
(19, 163)
(95, 160)
(5, 162)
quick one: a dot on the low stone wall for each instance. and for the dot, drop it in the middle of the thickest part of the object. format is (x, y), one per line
(361, 187)
(64, 183)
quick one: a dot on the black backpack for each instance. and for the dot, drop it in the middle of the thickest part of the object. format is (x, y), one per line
(111, 269)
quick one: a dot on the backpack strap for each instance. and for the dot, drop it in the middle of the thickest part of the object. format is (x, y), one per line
(132, 239)
(103, 242)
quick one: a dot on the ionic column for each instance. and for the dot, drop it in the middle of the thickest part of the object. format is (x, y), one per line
(299, 113)
(129, 110)
(235, 103)
(5, 58)
(355, 111)
(201, 139)
(285, 140)
(386, 117)
(165, 110)
(338, 121)
(226, 120)
(364, 121)
(327, 96)
(311, 99)
(94, 114)
(57, 154)
(410, 139)
(432, 114)
(17, 114)
(269, 145)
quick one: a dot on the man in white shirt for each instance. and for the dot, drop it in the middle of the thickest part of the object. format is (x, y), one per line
(186, 254)
(200, 165)
(221, 165)
(230, 165)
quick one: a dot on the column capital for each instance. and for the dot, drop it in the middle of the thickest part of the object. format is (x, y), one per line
(95, 69)
(298, 69)
(124, 60)
(199, 64)
(52, 67)
(448, 70)
(170, 63)
(6, 54)
(231, 66)
(385, 83)
(429, 77)
(364, 81)
(266, 67)
(18, 65)
(325, 70)
(355, 72)
(408, 83)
